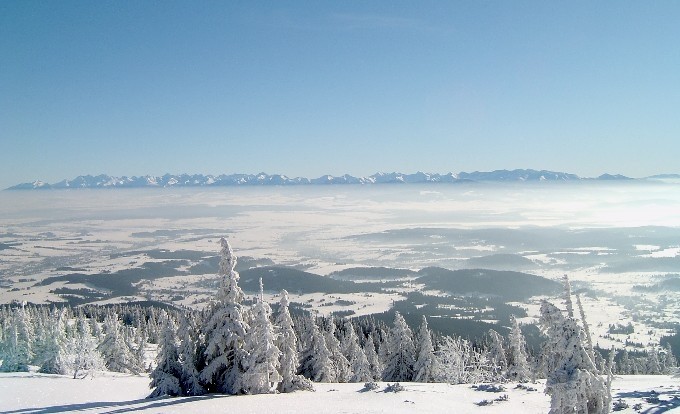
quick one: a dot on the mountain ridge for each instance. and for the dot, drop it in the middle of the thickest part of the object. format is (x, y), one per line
(209, 180)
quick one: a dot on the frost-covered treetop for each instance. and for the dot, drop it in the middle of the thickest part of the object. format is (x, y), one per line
(284, 298)
(230, 292)
(228, 259)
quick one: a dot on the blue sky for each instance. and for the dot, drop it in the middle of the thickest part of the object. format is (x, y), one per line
(309, 88)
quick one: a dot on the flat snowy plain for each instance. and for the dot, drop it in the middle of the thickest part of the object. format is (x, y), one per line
(22, 393)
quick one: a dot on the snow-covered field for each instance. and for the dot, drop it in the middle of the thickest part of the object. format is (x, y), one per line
(119, 393)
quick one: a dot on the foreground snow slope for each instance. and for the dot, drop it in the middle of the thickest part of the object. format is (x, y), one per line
(114, 393)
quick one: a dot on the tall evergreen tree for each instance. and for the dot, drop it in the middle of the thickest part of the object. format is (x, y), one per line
(400, 352)
(18, 352)
(225, 331)
(262, 373)
(497, 357)
(165, 378)
(114, 349)
(188, 356)
(359, 366)
(669, 361)
(315, 359)
(287, 343)
(426, 366)
(340, 366)
(653, 364)
(573, 382)
(81, 356)
(518, 366)
(372, 358)
(54, 344)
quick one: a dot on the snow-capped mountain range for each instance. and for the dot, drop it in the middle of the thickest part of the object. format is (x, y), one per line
(201, 180)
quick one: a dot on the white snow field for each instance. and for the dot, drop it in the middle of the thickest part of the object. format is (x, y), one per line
(120, 393)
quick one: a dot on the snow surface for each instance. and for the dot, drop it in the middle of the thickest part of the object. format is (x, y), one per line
(120, 393)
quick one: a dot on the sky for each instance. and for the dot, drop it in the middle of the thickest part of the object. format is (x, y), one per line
(310, 88)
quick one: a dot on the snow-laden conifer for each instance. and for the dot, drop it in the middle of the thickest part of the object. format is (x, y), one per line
(498, 362)
(359, 366)
(340, 366)
(41, 333)
(315, 359)
(18, 352)
(262, 370)
(287, 343)
(426, 367)
(187, 354)
(139, 350)
(669, 361)
(372, 358)
(653, 364)
(54, 343)
(225, 331)
(165, 378)
(573, 382)
(400, 353)
(114, 348)
(518, 365)
(81, 356)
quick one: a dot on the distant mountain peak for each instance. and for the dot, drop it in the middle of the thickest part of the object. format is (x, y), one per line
(200, 180)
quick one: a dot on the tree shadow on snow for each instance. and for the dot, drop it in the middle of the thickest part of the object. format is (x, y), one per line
(660, 401)
(116, 407)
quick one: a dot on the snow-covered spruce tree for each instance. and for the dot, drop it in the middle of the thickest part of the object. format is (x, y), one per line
(624, 365)
(287, 343)
(574, 384)
(400, 352)
(225, 331)
(114, 349)
(426, 366)
(669, 362)
(165, 378)
(55, 343)
(342, 370)
(18, 351)
(372, 358)
(498, 363)
(315, 359)
(94, 328)
(302, 324)
(262, 369)
(139, 350)
(187, 354)
(653, 365)
(81, 356)
(39, 317)
(359, 366)
(518, 365)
